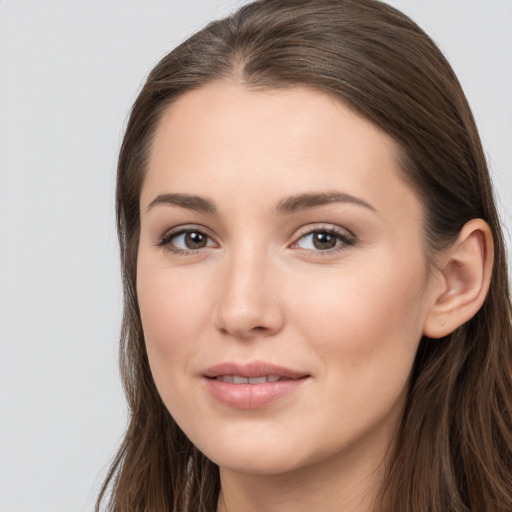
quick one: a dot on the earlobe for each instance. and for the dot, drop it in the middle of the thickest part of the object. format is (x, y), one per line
(465, 276)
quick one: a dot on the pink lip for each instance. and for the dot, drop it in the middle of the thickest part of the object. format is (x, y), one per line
(252, 396)
(253, 369)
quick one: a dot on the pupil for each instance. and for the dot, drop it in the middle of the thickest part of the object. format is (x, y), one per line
(195, 240)
(324, 241)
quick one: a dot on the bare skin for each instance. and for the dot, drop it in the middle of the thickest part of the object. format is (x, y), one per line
(276, 229)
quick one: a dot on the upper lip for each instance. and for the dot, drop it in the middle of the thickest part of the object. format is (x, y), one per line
(252, 369)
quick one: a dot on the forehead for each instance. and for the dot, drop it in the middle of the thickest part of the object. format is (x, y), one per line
(233, 142)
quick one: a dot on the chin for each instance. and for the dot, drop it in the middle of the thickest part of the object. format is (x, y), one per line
(263, 455)
(262, 464)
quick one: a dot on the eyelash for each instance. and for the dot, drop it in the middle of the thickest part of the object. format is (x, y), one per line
(344, 239)
(165, 240)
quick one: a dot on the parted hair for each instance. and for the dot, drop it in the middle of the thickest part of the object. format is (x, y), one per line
(454, 448)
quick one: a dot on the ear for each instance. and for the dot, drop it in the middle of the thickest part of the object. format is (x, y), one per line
(465, 274)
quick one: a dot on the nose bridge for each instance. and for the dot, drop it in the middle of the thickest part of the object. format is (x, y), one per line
(247, 303)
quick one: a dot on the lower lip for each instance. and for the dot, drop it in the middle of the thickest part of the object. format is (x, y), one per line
(251, 396)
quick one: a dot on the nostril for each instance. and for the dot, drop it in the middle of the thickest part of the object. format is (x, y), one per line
(247, 314)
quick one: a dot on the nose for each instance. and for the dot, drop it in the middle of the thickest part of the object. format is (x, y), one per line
(249, 304)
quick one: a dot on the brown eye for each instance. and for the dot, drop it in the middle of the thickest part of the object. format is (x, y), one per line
(323, 241)
(187, 240)
(195, 240)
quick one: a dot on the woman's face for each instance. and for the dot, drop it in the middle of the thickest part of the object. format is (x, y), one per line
(279, 244)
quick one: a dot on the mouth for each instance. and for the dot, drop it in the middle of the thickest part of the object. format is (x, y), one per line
(255, 372)
(238, 379)
(253, 385)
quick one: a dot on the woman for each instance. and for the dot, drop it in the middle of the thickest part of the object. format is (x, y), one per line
(317, 314)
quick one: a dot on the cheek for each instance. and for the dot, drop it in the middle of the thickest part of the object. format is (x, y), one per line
(173, 312)
(369, 323)
(365, 331)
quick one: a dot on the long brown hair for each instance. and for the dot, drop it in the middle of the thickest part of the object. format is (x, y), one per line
(454, 451)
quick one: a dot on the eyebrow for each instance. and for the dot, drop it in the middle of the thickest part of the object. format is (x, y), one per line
(188, 201)
(286, 206)
(302, 202)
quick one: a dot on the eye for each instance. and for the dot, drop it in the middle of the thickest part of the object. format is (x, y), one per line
(186, 240)
(324, 240)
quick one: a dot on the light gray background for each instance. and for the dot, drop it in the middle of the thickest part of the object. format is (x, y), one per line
(69, 71)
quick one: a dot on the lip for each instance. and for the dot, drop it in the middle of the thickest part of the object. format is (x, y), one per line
(252, 396)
